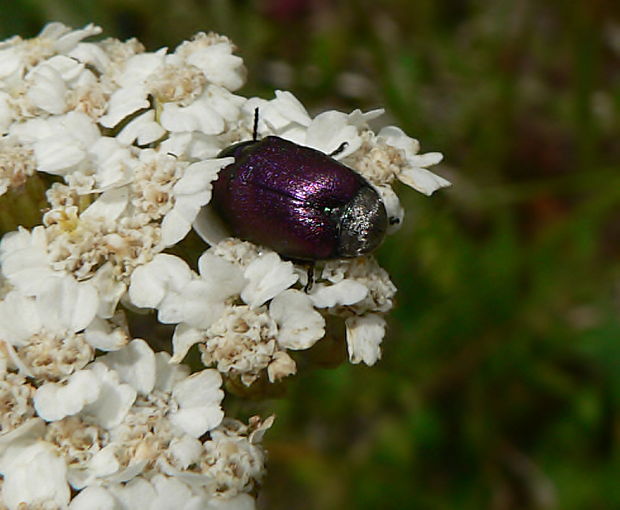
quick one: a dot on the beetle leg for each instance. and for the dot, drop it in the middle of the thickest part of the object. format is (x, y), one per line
(310, 273)
(255, 129)
(339, 149)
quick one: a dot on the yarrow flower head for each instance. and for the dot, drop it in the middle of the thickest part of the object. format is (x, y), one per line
(93, 417)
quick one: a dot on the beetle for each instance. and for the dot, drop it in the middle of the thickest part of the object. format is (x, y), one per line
(298, 201)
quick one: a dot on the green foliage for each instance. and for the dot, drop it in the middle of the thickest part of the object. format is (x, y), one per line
(500, 383)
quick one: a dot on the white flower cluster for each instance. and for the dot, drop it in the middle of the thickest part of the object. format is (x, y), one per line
(92, 418)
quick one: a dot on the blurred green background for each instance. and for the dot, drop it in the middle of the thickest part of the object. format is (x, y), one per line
(500, 383)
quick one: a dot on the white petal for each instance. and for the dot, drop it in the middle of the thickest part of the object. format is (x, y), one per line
(54, 401)
(225, 103)
(171, 493)
(238, 502)
(198, 176)
(267, 276)
(174, 227)
(112, 162)
(199, 397)
(143, 130)
(183, 339)
(101, 335)
(6, 112)
(198, 304)
(199, 389)
(48, 90)
(10, 62)
(150, 282)
(209, 226)
(139, 67)
(136, 494)
(135, 364)
(69, 304)
(287, 105)
(69, 68)
(422, 180)
(396, 137)
(196, 421)
(198, 116)
(123, 103)
(19, 318)
(60, 150)
(329, 130)
(91, 53)
(110, 290)
(168, 374)
(57, 154)
(104, 462)
(34, 475)
(31, 430)
(395, 211)
(364, 336)
(222, 274)
(427, 159)
(299, 324)
(345, 292)
(71, 38)
(109, 205)
(24, 261)
(114, 400)
(94, 498)
(360, 119)
(186, 450)
(81, 127)
(219, 65)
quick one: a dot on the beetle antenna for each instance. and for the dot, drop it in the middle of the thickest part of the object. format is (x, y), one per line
(339, 149)
(310, 273)
(255, 130)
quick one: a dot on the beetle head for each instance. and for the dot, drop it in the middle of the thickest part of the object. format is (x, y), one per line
(363, 224)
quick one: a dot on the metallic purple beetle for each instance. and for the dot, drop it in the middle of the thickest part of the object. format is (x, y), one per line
(298, 201)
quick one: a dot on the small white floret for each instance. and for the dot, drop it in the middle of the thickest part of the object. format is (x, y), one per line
(24, 261)
(225, 276)
(199, 397)
(168, 374)
(68, 305)
(219, 65)
(115, 398)
(191, 192)
(364, 336)
(185, 450)
(151, 282)
(138, 493)
(94, 498)
(123, 103)
(299, 324)
(183, 339)
(54, 401)
(101, 334)
(344, 293)
(422, 180)
(34, 475)
(267, 276)
(329, 130)
(47, 90)
(414, 174)
(135, 364)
